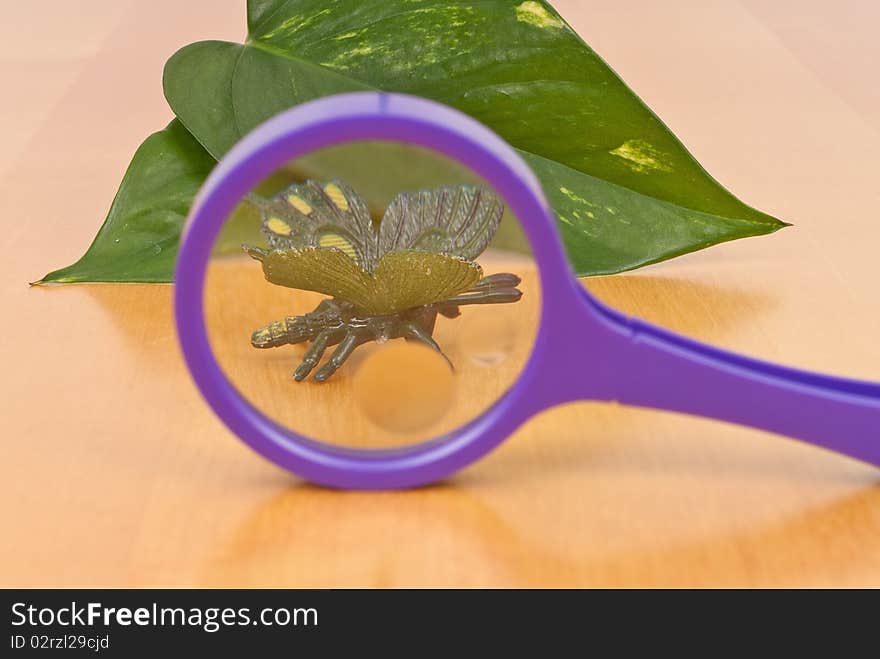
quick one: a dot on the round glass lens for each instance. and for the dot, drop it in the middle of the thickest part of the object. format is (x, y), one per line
(372, 294)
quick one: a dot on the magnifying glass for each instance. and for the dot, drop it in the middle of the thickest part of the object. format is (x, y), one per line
(371, 292)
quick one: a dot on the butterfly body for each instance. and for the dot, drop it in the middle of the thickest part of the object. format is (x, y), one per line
(389, 281)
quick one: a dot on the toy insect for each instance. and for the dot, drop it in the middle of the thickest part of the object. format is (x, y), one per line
(387, 281)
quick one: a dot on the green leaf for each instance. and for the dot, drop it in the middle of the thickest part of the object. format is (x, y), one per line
(626, 192)
(138, 240)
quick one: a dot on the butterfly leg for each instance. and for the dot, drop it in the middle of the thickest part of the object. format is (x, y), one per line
(499, 280)
(487, 296)
(494, 289)
(343, 351)
(415, 332)
(314, 353)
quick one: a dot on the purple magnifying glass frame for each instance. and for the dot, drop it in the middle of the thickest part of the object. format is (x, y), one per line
(620, 359)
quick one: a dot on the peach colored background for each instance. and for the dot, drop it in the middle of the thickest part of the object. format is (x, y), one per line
(115, 473)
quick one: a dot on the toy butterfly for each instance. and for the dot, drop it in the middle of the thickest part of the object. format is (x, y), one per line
(386, 281)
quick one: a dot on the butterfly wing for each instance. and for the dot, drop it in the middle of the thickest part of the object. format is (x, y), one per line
(322, 240)
(456, 220)
(328, 271)
(320, 214)
(410, 278)
(403, 279)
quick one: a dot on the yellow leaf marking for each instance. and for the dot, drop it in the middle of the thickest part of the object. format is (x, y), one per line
(534, 14)
(640, 156)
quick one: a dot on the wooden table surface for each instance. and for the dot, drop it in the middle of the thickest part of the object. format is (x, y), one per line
(115, 473)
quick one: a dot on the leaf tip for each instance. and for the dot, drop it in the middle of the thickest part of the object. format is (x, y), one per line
(780, 224)
(54, 277)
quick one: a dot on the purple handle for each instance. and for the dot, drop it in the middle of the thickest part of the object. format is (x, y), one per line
(652, 367)
(622, 359)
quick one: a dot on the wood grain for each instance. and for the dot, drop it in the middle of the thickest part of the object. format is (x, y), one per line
(115, 473)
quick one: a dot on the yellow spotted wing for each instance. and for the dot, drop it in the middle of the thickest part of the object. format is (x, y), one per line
(320, 214)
